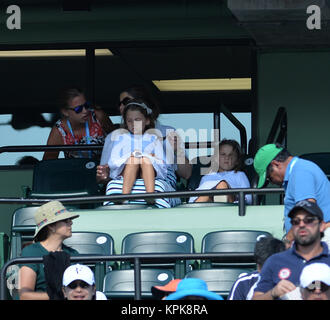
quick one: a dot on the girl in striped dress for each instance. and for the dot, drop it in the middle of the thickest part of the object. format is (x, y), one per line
(135, 158)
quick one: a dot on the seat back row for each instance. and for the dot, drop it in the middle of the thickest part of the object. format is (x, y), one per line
(119, 284)
(23, 227)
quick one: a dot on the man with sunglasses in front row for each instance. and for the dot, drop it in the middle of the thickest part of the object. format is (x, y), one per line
(280, 275)
(301, 179)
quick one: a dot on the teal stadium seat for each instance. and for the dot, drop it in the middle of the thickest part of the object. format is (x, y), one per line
(119, 284)
(218, 280)
(59, 178)
(22, 229)
(236, 241)
(94, 243)
(91, 243)
(160, 242)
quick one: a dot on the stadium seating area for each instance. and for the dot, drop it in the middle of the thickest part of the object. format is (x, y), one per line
(116, 279)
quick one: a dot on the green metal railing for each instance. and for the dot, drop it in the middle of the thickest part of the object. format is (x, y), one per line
(136, 259)
(154, 195)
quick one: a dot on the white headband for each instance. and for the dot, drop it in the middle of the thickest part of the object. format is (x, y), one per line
(142, 105)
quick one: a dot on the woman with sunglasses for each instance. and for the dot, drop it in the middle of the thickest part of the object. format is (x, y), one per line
(80, 124)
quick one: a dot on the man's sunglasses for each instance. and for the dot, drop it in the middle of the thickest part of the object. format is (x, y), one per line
(317, 285)
(82, 284)
(80, 108)
(306, 220)
(124, 101)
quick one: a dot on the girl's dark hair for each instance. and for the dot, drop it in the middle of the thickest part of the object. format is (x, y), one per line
(68, 94)
(133, 105)
(237, 149)
(140, 92)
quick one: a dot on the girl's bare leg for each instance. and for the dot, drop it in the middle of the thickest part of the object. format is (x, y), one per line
(224, 185)
(220, 185)
(148, 176)
(204, 199)
(130, 173)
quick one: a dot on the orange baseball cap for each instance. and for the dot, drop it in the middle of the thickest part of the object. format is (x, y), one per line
(159, 292)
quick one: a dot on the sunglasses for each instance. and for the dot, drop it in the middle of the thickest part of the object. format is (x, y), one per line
(82, 284)
(124, 101)
(306, 220)
(317, 285)
(69, 220)
(80, 108)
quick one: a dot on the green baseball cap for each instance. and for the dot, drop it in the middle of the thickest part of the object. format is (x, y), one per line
(262, 159)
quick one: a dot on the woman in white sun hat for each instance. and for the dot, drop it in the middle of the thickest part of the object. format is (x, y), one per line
(53, 226)
(79, 284)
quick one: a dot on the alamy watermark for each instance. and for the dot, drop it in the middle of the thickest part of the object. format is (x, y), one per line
(313, 22)
(14, 21)
(13, 278)
(170, 151)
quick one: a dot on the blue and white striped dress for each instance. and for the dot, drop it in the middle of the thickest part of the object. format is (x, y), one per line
(115, 186)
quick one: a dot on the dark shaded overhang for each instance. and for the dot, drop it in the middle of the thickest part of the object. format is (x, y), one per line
(283, 22)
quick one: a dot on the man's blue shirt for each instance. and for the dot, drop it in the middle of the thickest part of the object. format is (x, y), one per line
(305, 180)
(244, 286)
(287, 265)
